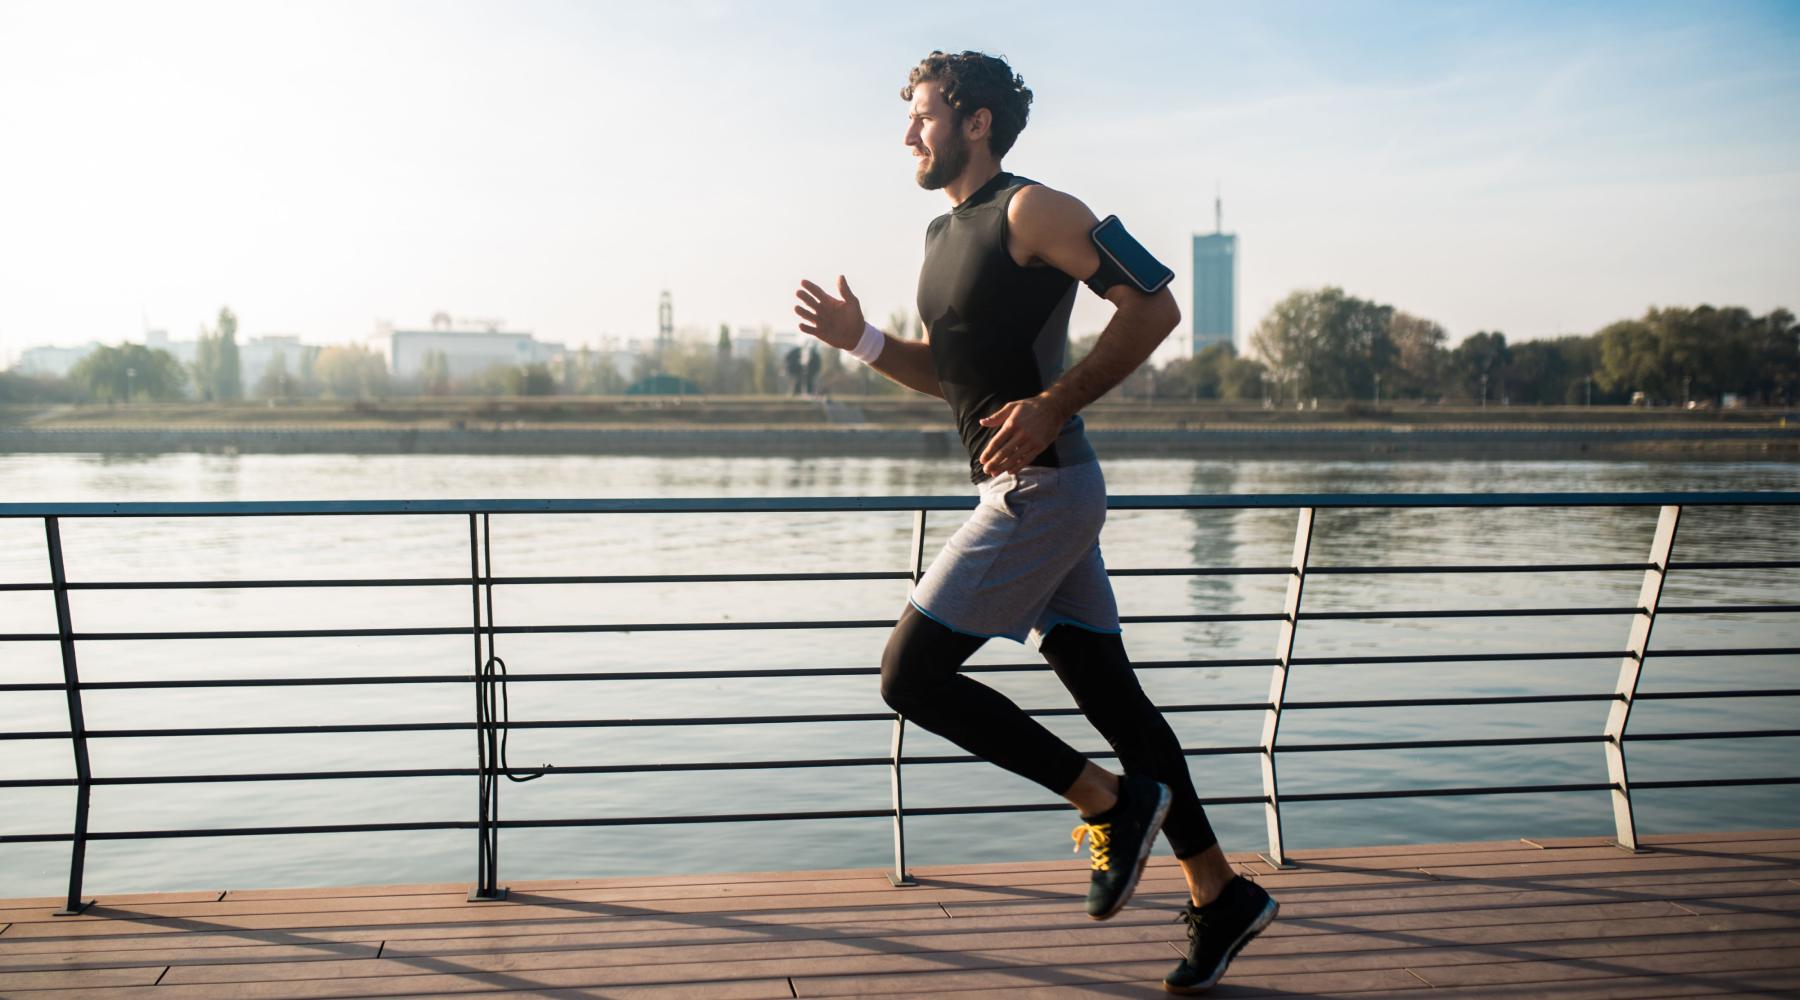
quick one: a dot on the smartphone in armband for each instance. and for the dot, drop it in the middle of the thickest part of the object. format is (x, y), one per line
(1123, 257)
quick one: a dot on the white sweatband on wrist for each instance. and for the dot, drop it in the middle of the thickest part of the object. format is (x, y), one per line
(869, 347)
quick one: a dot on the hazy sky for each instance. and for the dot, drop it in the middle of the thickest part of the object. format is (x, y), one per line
(1529, 167)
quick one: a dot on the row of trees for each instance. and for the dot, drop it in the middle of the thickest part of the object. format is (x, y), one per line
(1315, 344)
(1326, 344)
(134, 371)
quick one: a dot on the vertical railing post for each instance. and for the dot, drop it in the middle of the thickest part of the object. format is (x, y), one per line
(900, 876)
(84, 775)
(1631, 669)
(1284, 656)
(487, 790)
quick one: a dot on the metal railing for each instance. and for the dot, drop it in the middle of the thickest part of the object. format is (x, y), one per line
(487, 678)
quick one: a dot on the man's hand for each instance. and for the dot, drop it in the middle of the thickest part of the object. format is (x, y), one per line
(1027, 427)
(838, 322)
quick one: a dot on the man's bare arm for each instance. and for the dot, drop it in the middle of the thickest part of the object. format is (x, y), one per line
(838, 322)
(1049, 227)
(1141, 323)
(909, 363)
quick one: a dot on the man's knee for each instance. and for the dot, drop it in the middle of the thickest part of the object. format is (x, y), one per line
(900, 669)
(921, 657)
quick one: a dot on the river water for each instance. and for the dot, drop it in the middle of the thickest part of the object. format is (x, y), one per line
(420, 546)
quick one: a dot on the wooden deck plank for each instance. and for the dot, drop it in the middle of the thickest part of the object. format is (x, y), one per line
(1445, 896)
(1774, 902)
(1708, 964)
(776, 959)
(441, 975)
(746, 989)
(187, 954)
(1064, 878)
(1749, 986)
(1621, 989)
(80, 979)
(1295, 952)
(1298, 918)
(1623, 863)
(34, 904)
(1145, 973)
(1697, 915)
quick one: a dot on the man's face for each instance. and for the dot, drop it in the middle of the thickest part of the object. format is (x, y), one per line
(934, 131)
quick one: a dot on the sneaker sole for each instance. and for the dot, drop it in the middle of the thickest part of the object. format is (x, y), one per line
(1151, 829)
(1262, 921)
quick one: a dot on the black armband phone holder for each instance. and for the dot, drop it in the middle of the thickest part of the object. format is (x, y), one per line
(1123, 260)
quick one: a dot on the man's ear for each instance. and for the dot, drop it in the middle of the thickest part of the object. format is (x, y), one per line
(978, 124)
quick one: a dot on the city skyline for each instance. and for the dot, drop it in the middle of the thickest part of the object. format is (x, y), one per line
(1524, 167)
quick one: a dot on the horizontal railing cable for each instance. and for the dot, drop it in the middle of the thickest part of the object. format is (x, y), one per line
(776, 673)
(893, 504)
(828, 762)
(874, 623)
(882, 813)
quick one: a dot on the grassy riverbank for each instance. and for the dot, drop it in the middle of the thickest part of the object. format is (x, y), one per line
(914, 413)
(891, 427)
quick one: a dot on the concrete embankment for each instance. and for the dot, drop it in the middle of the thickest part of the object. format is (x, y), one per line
(1513, 441)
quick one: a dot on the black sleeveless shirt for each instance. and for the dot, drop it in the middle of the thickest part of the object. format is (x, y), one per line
(998, 330)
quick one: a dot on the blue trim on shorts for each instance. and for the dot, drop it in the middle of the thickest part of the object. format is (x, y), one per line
(960, 631)
(1080, 625)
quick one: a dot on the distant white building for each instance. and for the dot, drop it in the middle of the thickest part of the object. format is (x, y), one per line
(182, 350)
(254, 355)
(468, 347)
(258, 353)
(55, 362)
(746, 339)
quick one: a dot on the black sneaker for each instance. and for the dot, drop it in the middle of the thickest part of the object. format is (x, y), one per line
(1218, 931)
(1120, 840)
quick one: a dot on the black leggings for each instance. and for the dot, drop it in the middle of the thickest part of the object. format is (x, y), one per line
(921, 679)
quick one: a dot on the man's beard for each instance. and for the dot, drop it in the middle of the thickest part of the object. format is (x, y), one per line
(946, 164)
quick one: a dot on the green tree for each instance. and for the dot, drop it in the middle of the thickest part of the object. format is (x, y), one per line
(725, 379)
(1199, 377)
(276, 382)
(1773, 347)
(528, 380)
(434, 374)
(1419, 358)
(230, 383)
(128, 372)
(17, 387)
(1326, 343)
(216, 360)
(352, 372)
(765, 376)
(1478, 366)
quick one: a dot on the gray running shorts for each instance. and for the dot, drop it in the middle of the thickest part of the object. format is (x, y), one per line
(1027, 560)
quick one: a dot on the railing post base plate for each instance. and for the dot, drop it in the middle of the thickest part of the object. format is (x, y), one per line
(76, 912)
(1273, 863)
(1628, 849)
(902, 881)
(497, 896)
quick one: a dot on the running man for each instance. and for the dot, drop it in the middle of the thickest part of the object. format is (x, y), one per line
(999, 279)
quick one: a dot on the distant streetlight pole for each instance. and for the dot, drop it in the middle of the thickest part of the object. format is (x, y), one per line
(130, 373)
(1484, 390)
(1588, 383)
(1378, 391)
(1686, 396)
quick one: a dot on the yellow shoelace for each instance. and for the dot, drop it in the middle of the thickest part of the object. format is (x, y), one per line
(1100, 844)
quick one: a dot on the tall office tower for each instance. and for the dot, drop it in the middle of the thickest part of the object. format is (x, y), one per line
(1215, 284)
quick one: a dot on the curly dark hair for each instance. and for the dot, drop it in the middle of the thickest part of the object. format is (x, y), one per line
(971, 81)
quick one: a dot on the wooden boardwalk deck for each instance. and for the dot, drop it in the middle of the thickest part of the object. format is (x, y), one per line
(1712, 915)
